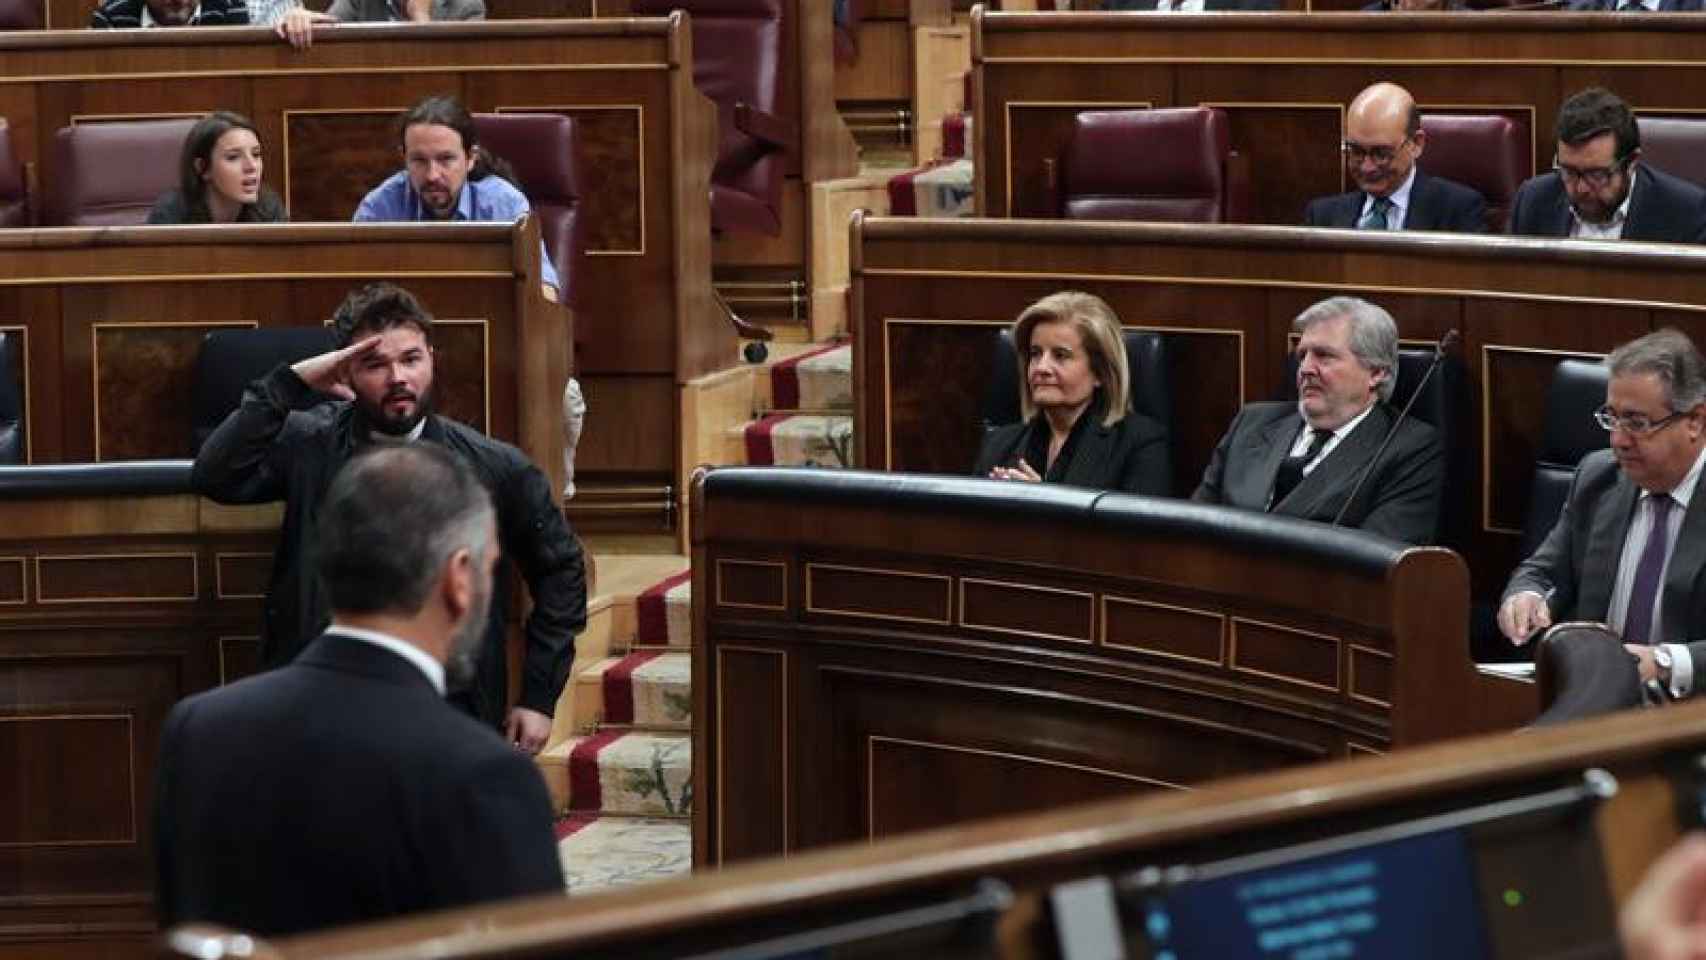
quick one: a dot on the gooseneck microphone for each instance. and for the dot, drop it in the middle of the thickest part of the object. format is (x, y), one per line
(1445, 343)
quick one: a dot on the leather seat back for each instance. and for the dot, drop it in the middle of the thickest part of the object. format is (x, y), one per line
(1163, 165)
(231, 359)
(1676, 146)
(1568, 435)
(543, 149)
(1486, 152)
(11, 400)
(111, 172)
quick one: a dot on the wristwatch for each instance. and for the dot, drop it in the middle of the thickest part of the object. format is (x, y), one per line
(1664, 661)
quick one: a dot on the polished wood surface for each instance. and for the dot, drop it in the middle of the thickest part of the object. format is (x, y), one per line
(739, 905)
(1286, 78)
(112, 321)
(326, 119)
(115, 607)
(862, 639)
(930, 296)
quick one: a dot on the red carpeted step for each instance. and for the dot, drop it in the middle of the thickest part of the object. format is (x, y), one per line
(653, 624)
(619, 686)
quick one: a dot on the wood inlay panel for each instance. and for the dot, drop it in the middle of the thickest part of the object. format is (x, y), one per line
(1028, 610)
(1296, 656)
(954, 361)
(1167, 630)
(1296, 147)
(752, 751)
(13, 589)
(239, 657)
(342, 153)
(144, 374)
(116, 578)
(754, 584)
(613, 188)
(459, 354)
(906, 778)
(1371, 675)
(882, 594)
(242, 575)
(70, 781)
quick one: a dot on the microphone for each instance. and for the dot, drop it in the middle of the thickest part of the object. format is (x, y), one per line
(1445, 343)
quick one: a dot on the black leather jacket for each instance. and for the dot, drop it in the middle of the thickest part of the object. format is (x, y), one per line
(285, 442)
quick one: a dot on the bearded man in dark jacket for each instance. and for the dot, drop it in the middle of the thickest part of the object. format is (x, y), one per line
(286, 442)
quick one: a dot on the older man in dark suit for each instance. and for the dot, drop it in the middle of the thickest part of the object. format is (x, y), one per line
(1305, 459)
(343, 788)
(1599, 190)
(1383, 140)
(1629, 549)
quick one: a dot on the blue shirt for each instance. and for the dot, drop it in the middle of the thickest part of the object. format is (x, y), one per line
(488, 200)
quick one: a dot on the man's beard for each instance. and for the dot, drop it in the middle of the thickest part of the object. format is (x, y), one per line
(376, 418)
(462, 664)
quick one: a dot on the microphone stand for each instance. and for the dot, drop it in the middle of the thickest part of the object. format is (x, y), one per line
(1445, 343)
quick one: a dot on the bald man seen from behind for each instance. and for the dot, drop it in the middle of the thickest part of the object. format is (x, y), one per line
(1383, 141)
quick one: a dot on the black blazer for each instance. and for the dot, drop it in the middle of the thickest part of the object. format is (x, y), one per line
(1207, 5)
(1400, 500)
(1575, 567)
(1435, 204)
(1664, 209)
(341, 789)
(1131, 456)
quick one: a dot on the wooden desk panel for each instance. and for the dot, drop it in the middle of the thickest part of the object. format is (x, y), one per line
(930, 295)
(326, 118)
(862, 642)
(112, 321)
(1286, 78)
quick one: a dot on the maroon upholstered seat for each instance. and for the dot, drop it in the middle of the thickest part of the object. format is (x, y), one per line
(1486, 152)
(14, 190)
(1173, 165)
(1676, 146)
(543, 150)
(739, 61)
(111, 172)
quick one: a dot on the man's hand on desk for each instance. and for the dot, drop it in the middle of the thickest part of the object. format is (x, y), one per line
(297, 26)
(1522, 615)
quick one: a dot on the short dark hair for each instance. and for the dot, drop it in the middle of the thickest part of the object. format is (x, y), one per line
(393, 517)
(376, 308)
(1596, 111)
(446, 111)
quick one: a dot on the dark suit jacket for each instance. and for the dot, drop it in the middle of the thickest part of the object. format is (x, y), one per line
(1664, 209)
(1131, 456)
(1207, 5)
(341, 789)
(1576, 565)
(379, 11)
(1435, 204)
(1400, 500)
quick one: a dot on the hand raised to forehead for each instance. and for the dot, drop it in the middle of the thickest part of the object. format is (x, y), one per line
(328, 373)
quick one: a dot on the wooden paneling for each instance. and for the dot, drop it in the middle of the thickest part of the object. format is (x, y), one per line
(929, 295)
(753, 756)
(1045, 646)
(116, 578)
(89, 797)
(1285, 78)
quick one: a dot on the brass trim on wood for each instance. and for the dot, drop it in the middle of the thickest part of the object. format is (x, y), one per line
(130, 796)
(721, 602)
(195, 577)
(95, 357)
(722, 773)
(284, 132)
(1089, 627)
(1351, 687)
(639, 158)
(485, 325)
(219, 580)
(1220, 619)
(947, 595)
(1338, 647)
(449, 67)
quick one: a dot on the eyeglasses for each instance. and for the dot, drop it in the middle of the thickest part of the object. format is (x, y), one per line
(1634, 424)
(1596, 177)
(1382, 156)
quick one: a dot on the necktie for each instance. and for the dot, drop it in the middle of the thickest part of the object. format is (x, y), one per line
(1375, 219)
(1291, 468)
(1638, 622)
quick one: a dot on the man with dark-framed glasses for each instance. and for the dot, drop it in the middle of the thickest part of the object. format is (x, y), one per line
(1383, 140)
(1629, 548)
(1598, 188)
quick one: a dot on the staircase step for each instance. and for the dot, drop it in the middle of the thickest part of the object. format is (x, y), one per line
(818, 380)
(615, 771)
(663, 613)
(800, 440)
(956, 135)
(648, 688)
(604, 851)
(937, 190)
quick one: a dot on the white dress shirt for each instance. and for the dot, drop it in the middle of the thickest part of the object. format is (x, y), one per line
(1611, 229)
(1300, 446)
(1400, 199)
(422, 660)
(1682, 668)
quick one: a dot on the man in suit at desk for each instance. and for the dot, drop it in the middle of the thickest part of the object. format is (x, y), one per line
(1383, 140)
(1191, 6)
(1630, 546)
(1598, 189)
(342, 788)
(1304, 459)
(1636, 6)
